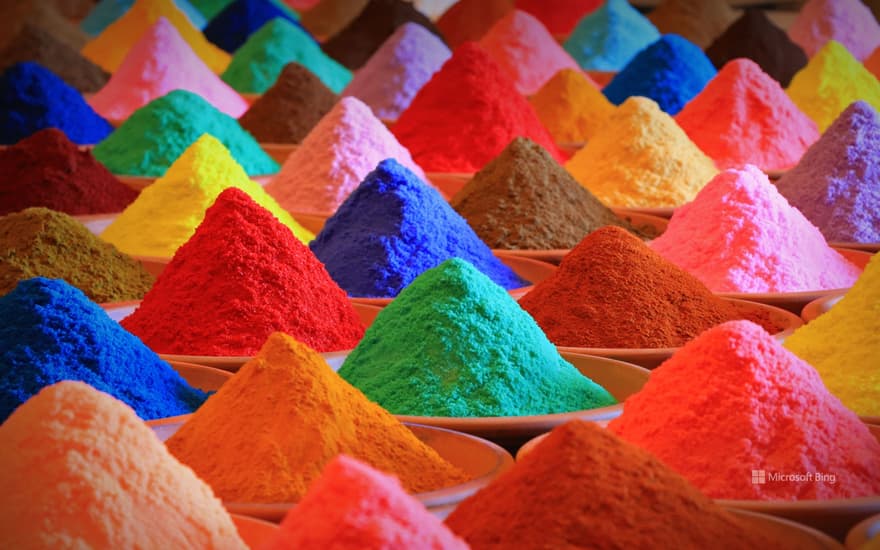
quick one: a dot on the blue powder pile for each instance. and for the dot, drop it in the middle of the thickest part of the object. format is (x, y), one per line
(33, 98)
(608, 38)
(106, 12)
(391, 229)
(52, 332)
(231, 28)
(670, 71)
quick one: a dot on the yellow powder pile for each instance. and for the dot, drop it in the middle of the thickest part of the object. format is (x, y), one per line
(844, 344)
(166, 213)
(700, 21)
(110, 47)
(81, 470)
(571, 107)
(641, 158)
(830, 82)
(278, 421)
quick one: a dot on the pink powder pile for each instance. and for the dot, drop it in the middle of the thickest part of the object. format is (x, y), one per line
(744, 116)
(849, 22)
(162, 61)
(334, 158)
(740, 235)
(526, 51)
(354, 506)
(733, 400)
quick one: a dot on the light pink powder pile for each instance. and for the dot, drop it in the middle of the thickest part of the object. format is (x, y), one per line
(740, 235)
(162, 61)
(345, 146)
(849, 22)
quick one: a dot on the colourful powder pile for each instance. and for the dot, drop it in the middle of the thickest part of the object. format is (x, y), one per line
(256, 65)
(391, 229)
(328, 17)
(159, 63)
(843, 344)
(740, 235)
(43, 14)
(109, 48)
(872, 63)
(743, 116)
(571, 107)
(230, 442)
(523, 199)
(700, 21)
(352, 506)
(47, 169)
(777, 417)
(832, 80)
(155, 135)
(608, 38)
(641, 158)
(334, 158)
(525, 51)
(54, 332)
(32, 98)
(106, 12)
(166, 213)
(670, 71)
(467, 114)
(559, 16)
(453, 324)
(72, 456)
(849, 22)
(231, 28)
(209, 8)
(755, 37)
(360, 39)
(289, 110)
(469, 20)
(837, 183)
(398, 70)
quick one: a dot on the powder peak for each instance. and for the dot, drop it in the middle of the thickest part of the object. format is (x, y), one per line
(849, 22)
(608, 38)
(230, 28)
(571, 107)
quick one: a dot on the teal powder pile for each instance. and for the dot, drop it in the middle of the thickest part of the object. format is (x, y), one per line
(152, 138)
(455, 344)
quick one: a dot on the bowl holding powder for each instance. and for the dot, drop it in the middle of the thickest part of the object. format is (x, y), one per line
(864, 533)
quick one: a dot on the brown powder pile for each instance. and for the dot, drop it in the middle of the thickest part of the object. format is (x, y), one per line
(44, 14)
(328, 17)
(700, 21)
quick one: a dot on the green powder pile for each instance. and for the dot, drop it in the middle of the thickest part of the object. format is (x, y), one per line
(455, 344)
(152, 138)
(258, 62)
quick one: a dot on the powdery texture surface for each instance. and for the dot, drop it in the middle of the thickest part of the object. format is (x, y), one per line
(559, 16)
(328, 17)
(872, 63)
(81, 469)
(609, 37)
(849, 22)
(161, 61)
(469, 20)
(571, 107)
(334, 158)
(744, 116)
(740, 235)
(700, 21)
(734, 400)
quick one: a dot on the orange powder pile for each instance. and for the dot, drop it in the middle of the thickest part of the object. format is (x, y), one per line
(872, 63)
(571, 107)
(81, 470)
(469, 20)
(271, 429)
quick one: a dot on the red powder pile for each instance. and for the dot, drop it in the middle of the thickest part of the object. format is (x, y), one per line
(467, 114)
(559, 16)
(734, 401)
(240, 277)
(47, 169)
(468, 20)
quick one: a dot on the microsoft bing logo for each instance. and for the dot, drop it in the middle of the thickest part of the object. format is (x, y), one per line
(759, 477)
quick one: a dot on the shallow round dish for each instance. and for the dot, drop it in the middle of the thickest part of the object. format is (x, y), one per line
(865, 531)
(255, 533)
(138, 183)
(791, 532)
(481, 460)
(448, 183)
(279, 151)
(775, 174)
(820, 305)
(864, 247)
(312, 222)
(96, 223)
(569, 149)
(660, 212)
(602, 78)
(200, 376)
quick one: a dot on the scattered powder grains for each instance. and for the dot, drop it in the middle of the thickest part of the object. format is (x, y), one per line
(167, 212)
(469, 20)
(571, 107)
(231, 28)
(352, 506)
(161, 62)
(398, 70)
(73, 453)
(106, 12)
(43, 14)
(391, 229)
(700, 21)
(837, 183)
(559, 16)
(777, 416)
(740, 235)
(288, 111)
(609, 37)
(328, 17)
(467, 114)
(452, 324)
(334, 158)
(152, 138)
(849, 22)
(670, 71)
(231, 442)
(832, 80)
(641, 158)
(54, 332)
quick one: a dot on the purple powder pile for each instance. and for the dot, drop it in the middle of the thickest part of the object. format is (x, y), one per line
(837, 182)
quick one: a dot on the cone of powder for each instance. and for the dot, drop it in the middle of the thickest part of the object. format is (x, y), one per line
(454, 324)
(328, 17)
(105, 12)
(43, 14)
(240, 277)
(559, 16)
(740, 235)
(607, 38)
(641, 158)
(700, 21)
(469, 20)
(231, 444)
(355, 506)
(231, 28)
(571, 107)
(849, 22)
(160, 62)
